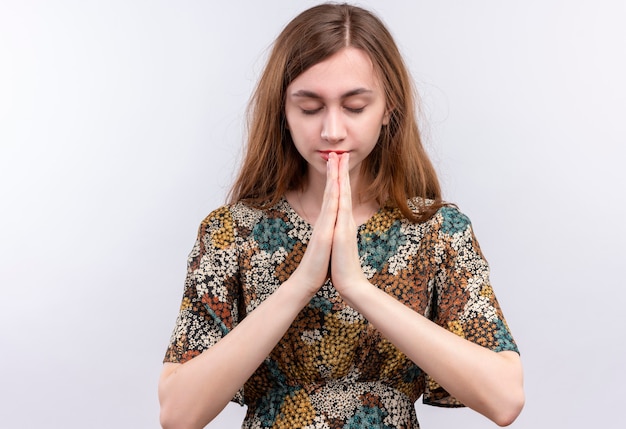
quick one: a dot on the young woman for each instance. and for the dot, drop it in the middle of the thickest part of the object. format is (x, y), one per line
(336, 287)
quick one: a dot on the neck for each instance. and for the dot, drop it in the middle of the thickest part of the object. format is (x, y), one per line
(308, 201)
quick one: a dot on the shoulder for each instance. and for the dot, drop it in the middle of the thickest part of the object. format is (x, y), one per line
(447, 223)
(451, 220)
(237, 216)
(449, 217)
(231, 212)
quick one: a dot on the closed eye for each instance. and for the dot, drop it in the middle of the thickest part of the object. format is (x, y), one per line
(319, 109)
(355, 109)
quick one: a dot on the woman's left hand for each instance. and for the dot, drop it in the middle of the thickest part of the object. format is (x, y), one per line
(345, 266)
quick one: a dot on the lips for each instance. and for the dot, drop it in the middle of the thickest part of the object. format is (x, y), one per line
(325, 153)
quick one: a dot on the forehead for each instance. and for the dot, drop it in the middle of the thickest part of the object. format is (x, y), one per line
(344, 71)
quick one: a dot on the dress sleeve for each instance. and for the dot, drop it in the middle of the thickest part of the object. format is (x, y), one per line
(210, 307)
(464, 302)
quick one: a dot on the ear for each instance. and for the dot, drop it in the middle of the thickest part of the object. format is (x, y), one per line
(387, 116)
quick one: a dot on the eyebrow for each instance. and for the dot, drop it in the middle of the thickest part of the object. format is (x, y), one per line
(310, 94)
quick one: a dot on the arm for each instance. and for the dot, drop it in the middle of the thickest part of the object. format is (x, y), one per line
(193, 393)
(488, 382)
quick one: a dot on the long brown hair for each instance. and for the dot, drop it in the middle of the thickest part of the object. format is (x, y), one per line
(398, 163)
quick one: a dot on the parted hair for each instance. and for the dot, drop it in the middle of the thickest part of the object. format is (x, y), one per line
(398, 164)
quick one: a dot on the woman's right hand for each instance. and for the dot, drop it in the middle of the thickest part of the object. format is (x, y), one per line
(193, 393)
(313, 270)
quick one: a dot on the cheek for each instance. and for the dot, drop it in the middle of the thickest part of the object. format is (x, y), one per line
(298, 135)
(300, 130)
(372, 132)
(372, 125)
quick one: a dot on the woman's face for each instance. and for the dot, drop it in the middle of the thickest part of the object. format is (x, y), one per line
(337, 105)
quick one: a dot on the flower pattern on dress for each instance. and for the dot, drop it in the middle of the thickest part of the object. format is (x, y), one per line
(453, 220)
(332, 369)
(271, 235)
(378, 246)
(368, 417)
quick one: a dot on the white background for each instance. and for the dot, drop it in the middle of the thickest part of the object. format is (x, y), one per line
(121, 128)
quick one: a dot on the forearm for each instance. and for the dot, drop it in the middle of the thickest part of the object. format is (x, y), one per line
(488, 382)
(193, 393)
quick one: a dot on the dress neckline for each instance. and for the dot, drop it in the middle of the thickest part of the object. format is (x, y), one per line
(302, 220)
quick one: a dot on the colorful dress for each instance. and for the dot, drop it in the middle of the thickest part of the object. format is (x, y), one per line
(332, 369)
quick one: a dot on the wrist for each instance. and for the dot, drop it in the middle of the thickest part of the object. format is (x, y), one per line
(298, 289)
(356, 294)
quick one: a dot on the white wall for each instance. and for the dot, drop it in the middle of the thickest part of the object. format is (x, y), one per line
(120, 128)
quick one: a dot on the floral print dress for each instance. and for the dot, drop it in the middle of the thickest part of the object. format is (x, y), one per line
(332, 369)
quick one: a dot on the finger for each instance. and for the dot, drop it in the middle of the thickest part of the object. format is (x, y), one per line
(345, 192)
(330, 204)
(345, 264)
(345, 219)
(316, 259)
(332, 173)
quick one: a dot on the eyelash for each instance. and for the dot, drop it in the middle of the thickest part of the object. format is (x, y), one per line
(355, 110)
(310, 112)
(351, 110)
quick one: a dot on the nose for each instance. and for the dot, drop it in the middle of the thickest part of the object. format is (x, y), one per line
(333, 127)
